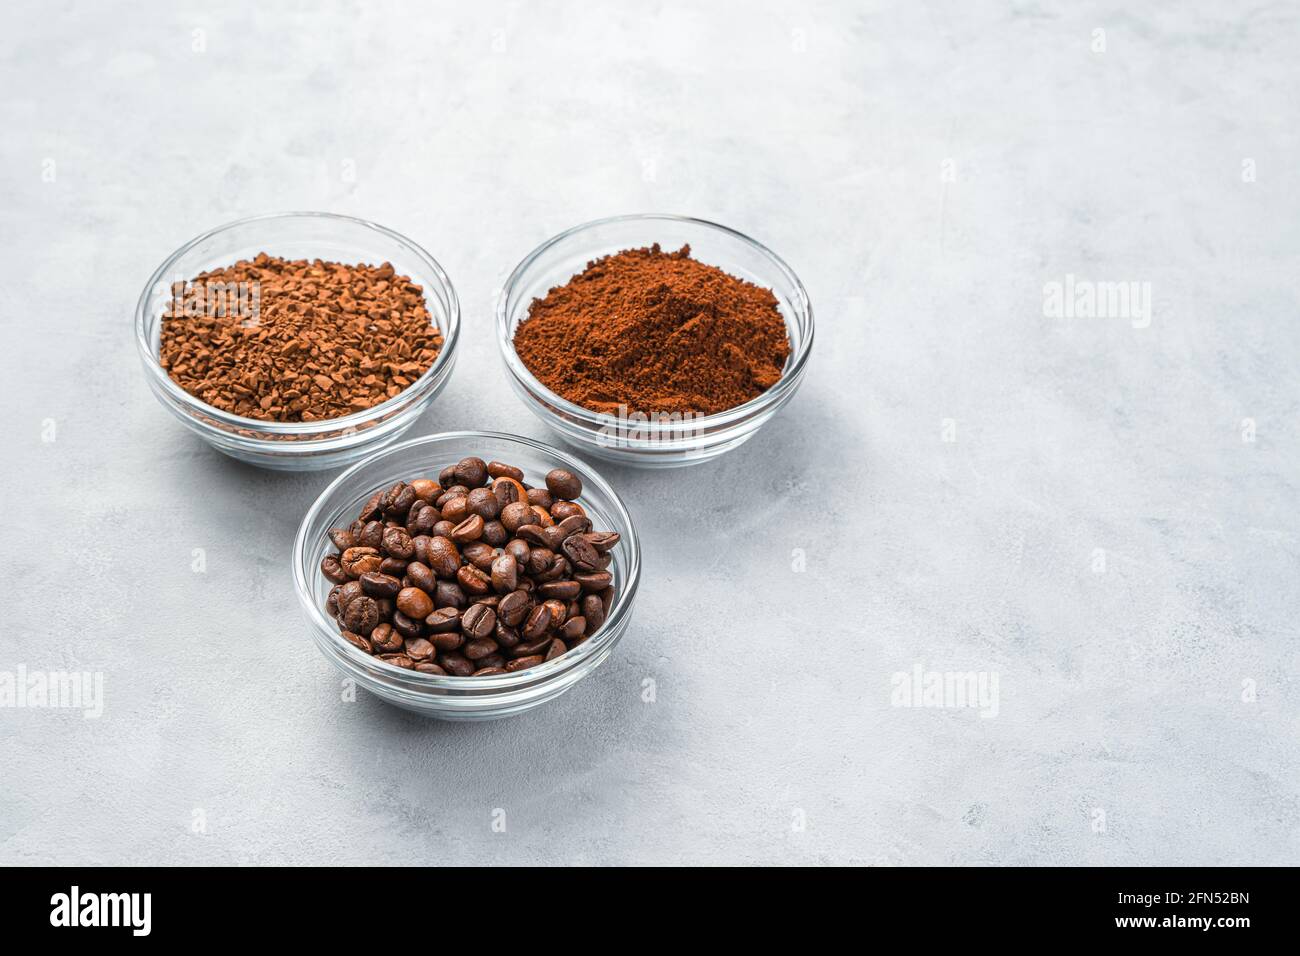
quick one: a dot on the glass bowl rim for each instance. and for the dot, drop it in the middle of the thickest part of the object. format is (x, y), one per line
(402, 401)
(418, 680)
(774, 395)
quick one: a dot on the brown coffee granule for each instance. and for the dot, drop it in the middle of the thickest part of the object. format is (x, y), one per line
(297, 340)
(656, 332)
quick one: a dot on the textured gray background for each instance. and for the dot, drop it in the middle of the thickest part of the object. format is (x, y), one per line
(822, 130)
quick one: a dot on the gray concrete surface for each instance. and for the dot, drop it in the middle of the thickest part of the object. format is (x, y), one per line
(1097, 513)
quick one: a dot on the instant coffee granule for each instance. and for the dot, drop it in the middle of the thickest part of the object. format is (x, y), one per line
(657, 332)
(297, 340)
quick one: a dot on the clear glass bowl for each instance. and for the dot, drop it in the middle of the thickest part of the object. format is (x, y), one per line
(461, 698)
(629, 440)
(299, 446)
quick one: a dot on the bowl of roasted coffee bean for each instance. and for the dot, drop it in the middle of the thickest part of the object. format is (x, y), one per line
(298, 341)
(654, 340)
(468, 575)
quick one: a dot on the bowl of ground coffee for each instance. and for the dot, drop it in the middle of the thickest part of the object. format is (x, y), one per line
(654, 340)
(298, 340)
(467, 575)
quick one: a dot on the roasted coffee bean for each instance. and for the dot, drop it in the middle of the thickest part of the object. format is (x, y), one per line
(425, 489)
(537, 624)
(372, 535)
(514, 572)
(478, 649)
(563, 484)
(602, 541)
(404, 626)
(444, 619)
(456, 664)
(499, 469)
(508, 490)
(455, 509)
(361, 615)
(489, 671)
(580, 551)
(414, 603)
(423, 520)
(564, 590)
(483, 503)
(342, 538)
(398, 544)
(471, 472)
(558, 569)
(386, 639)
(471, 529)
(574, 524)
(473, 580)
(371, 508)
(332, 569)
(540, 560)
(442, 557)
(514, 607)
(495, 533)
(347, 592)
(359, 561)
(421, 576)
(402, 502)
(380, 585)
(480, 554)
(529, 648)
(478, 621)
(518, 515)
(559, 611)
(520, 549)
(534, 534)
(449, 594)
(594, 611)
(505, 635)
(447, 640)
(563, 510)
(359, 642)
(505, 573)
(419, 649)
(593, 580)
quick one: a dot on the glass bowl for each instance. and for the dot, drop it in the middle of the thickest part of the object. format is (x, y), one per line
(630, 439)
(461, 698)
(299, 446)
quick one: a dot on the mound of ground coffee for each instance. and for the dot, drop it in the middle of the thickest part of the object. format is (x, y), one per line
(657, 332)
(289, 341)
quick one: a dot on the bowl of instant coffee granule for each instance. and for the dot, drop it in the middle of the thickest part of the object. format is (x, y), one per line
(654, 340)
(298, 341)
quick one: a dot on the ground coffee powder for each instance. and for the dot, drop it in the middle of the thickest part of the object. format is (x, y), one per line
(657, 332)
(282, 340)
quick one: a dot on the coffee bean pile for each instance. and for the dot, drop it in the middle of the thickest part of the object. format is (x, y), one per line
(474, 574)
